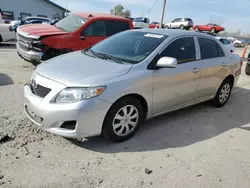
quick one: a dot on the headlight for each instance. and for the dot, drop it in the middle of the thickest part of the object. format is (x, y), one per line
(77, 94)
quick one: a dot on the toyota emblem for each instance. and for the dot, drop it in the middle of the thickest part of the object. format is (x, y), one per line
(34, 84)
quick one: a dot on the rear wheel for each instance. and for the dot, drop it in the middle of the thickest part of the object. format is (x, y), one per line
(223, 93)
(182, 27)
(123, 120)
(196, 29)
(247, 69)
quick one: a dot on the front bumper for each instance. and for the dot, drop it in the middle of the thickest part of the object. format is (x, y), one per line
(88, 114)
(29, 55)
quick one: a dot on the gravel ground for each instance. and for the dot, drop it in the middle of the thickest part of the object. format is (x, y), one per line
(196, 147)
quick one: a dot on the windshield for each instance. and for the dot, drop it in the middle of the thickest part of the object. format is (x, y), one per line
(129, 46)
(71, 23)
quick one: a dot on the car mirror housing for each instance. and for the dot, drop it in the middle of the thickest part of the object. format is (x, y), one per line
(167, 62)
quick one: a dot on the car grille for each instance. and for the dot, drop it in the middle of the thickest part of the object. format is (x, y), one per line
(24, 42)
(40, 91)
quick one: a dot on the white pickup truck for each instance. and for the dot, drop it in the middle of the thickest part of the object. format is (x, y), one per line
(141, 22)
(5, 33)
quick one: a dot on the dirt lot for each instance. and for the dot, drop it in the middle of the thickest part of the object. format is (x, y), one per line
(197, 147)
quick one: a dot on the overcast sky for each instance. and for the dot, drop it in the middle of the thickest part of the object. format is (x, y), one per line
(233, 14)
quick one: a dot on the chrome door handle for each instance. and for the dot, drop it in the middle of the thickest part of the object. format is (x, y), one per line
(195, 70)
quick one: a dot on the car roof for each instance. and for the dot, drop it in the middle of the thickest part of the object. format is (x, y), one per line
(90, 15)
(174, 33)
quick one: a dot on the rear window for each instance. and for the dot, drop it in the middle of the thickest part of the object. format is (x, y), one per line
(188, 19)
(71, 23)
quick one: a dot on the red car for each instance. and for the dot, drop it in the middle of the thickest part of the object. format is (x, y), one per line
(213, 28)
(40, 42)
(154, 25)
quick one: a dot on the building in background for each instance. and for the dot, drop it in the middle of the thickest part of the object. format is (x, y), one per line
(14, 9)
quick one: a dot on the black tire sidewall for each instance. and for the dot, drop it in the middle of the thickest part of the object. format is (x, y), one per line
(108, 131)
(216, 101)
(247, 69)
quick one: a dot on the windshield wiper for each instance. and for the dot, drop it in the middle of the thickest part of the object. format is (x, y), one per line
(107, 56)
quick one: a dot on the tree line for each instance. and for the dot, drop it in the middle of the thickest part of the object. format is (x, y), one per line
(119, 10)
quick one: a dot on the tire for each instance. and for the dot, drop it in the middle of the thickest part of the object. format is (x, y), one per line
(247, 69)
(114, 115)
(166, 27)
(227, 86)
(196, 29)
(182, 27)
(213, 30)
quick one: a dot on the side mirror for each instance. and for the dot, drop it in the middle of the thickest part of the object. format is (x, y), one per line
(167, 62)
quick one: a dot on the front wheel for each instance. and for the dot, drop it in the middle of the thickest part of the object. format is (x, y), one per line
(247, 69)
(123, 119)
(213, 30)
(223, 93)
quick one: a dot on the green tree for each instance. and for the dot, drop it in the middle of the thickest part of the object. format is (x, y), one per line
(118, 10)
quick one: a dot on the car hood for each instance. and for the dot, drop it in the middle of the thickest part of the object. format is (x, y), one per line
(78, 69)
(40, 30)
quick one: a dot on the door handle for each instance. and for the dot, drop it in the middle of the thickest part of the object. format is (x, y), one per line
(195, 70)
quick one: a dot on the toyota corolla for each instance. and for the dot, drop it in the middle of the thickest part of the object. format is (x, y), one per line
(111, 88)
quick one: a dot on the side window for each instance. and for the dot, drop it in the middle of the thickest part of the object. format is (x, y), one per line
(42, 16)
(114, 27)
(95, 29)
(182, 49)
(220, 51)
(36, 21)
(209, 49)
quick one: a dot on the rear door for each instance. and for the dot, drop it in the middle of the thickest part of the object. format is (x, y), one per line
(94, 32)
(212, 66)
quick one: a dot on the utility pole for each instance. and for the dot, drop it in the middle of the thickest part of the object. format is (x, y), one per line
(163, 11)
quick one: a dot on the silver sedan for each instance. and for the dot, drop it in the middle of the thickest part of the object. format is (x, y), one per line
(111, 88)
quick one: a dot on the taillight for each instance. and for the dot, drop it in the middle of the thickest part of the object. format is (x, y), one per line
(241, 63)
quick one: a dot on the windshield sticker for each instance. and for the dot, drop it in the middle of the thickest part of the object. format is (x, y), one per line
(153, 35)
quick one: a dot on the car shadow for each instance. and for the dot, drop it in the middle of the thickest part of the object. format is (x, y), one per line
(9, 45)
(5, 80)
(181, 128)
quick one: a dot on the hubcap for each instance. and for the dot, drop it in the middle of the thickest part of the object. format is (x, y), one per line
(224, 93)
(125, 120)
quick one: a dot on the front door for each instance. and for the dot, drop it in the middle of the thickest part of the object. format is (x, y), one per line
(178, 86)
(93, 33)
